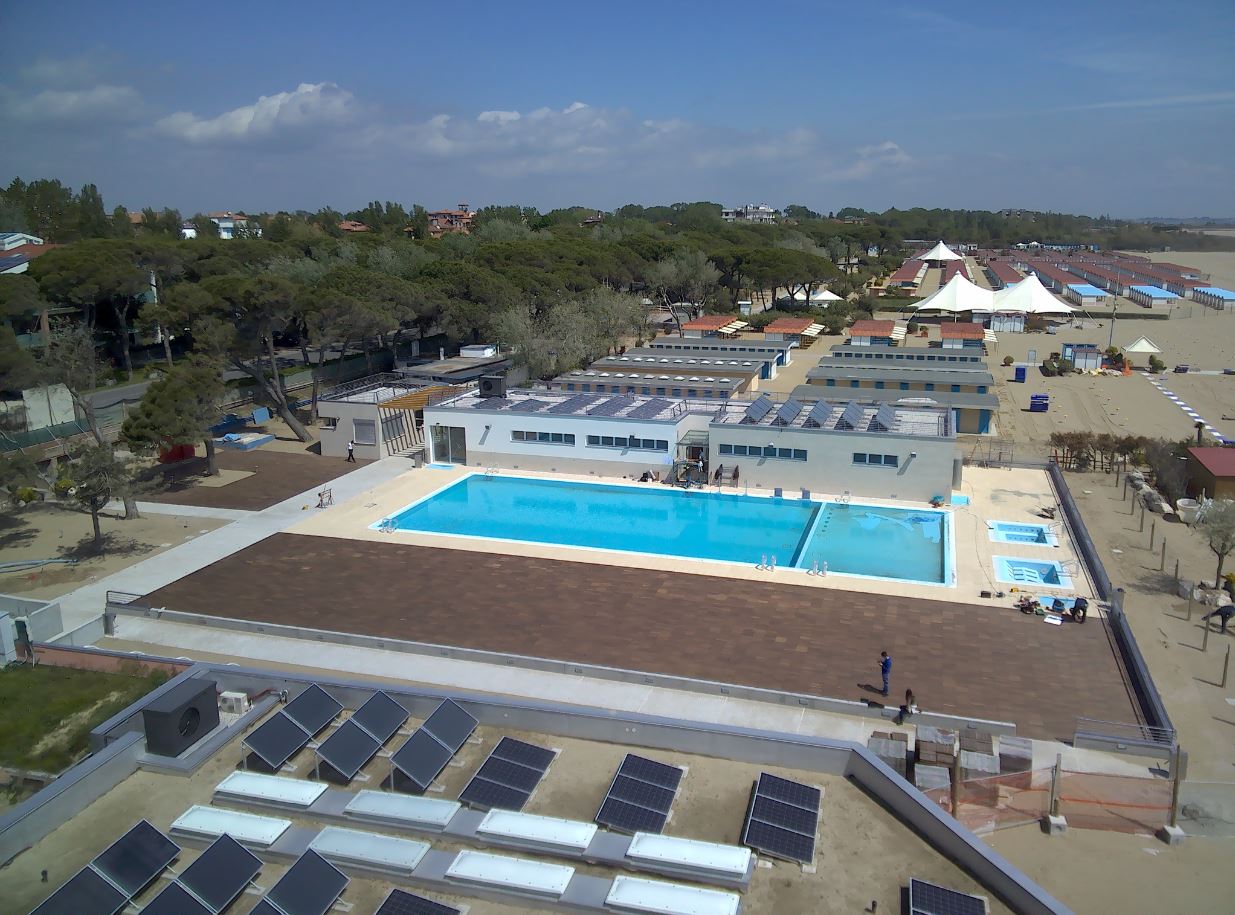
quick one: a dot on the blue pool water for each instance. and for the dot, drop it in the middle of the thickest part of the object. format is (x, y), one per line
(852, 539)
(1012, 532)
(1017, 571)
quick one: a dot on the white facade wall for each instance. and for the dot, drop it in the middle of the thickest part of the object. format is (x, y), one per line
(490, 441)
(829, 466)
(345, 414)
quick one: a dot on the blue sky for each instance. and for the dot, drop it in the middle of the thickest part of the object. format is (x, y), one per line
(1093, 107)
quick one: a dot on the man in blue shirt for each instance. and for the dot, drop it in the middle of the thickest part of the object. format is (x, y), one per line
(885, 668)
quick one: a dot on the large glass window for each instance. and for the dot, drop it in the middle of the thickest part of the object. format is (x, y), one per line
(364, 431)
(449, 444)
(543, 438)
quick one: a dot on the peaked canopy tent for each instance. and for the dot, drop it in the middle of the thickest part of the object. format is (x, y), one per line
(823, 297)
(1030, 297)
(1142, 346)
(939, 254)
(957, 295)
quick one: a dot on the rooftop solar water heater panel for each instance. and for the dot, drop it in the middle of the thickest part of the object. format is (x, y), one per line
(313, 709)
(369, 850)
(221, 873)
(650, 408)
(788, 412)
(401, 902)
(402, 810)
(136, 858)
(421, 758)
(574, 404)
(450, 725)
(277, 740)
(176, 900)
(381, 716)
(86, 893)
(636, 894)
(275, 790)
(348, 749)
(613, 406)
(929, 899)
(759, 409)
(817, 418)
(310, 887)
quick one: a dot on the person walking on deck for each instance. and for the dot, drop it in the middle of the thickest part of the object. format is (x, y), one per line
(885, 668)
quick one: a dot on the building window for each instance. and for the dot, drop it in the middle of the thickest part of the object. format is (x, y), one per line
(859, 457)
(904, 385)
(831, 382)
(645, 390)
(543, 438)
(876, 460)
(677, 392)
(891, 460)
(585, 387)
(629, 443)
(329, 422)
(364, 431)
(758, 451)
(929, 386)
(660, 391)
(570, 386)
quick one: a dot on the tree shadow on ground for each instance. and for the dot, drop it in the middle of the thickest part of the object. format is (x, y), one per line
(112, 544)
(15, 531)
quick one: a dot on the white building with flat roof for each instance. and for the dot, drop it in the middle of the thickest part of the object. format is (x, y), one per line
(889, 451)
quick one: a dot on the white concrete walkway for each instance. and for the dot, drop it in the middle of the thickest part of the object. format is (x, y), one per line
(184, 511)
(246, 529)
(186, 640)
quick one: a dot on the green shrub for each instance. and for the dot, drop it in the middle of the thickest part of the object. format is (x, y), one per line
(62, 486)
(1008, 360)
(25, 494)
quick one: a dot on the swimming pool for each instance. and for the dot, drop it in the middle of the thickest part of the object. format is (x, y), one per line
(1015, 532)
(902, 544)
(1017, 571)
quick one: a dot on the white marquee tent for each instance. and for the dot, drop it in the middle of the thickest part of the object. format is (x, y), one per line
(1143, 346)
(940, 252)
(1029, 297)
(957, 295)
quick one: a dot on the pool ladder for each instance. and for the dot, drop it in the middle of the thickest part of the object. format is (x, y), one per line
(765, 566)
(815, 569)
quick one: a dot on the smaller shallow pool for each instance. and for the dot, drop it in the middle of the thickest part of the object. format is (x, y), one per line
(1016, 571)
(1018, 532)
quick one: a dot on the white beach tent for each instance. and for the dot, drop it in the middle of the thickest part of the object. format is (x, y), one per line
(940, 252)
(1143, 347)
(818, 297)
(957, 295)
(1029, 297)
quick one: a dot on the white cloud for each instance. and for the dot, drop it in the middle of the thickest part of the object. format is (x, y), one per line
(309, 107)
(99, 104)
(1161, 101)
(498, 117)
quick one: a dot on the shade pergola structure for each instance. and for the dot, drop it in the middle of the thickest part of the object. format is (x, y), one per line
(1142, 346)
(939, 255)
(1029, 297)
(958, 295)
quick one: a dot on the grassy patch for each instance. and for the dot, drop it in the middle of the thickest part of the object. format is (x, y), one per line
(46, 713)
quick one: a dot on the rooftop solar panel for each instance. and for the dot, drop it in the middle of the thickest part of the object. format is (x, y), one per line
(884, 419)
(818, 415)
(573, 404)
(782, 818)
(264, 908)
(313, 709)
(633, 791)
(487, 795)
(176, 900)
(450, 725)
(85, 893)
(851, 417)
(136, 858)
(277, 740)
(380, 716)
(527, 754)
(528, 405)
(221, 872)
(348, 749)
(505, 772)
(929, 899)
(651, 771)
(612, 406)
(759, 409)
(401, 902)
(650, 408)
(310, 886)
(788, 412)
(630, 817)
(421, 758)
(789, 792)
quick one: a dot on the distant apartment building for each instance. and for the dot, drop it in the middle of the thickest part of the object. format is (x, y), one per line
(750, 213)
(231, 225)
(451, 222)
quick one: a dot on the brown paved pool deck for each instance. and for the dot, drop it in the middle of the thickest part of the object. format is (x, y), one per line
(980, 661)
(277, 475)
